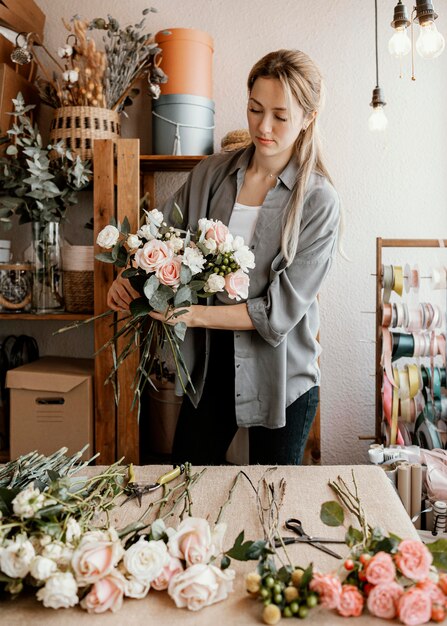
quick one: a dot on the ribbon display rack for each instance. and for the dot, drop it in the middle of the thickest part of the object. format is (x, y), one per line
(411, 400)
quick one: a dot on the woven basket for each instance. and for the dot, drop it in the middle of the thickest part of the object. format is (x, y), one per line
(78, 292)
(78, 126)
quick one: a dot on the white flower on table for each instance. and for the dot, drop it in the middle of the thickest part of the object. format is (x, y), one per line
(28, 502)
(71, 76)
(200, 585)
(106, 594)
(145, 560)
(194, 259)
(135, 588)
(108, 236)
(73, 530)
(194, 542)
(16, 556)
(214, 283)
(96, 556)
(60, 591)
(42, 568)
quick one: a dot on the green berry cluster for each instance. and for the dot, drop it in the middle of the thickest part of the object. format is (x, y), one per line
(223, 264)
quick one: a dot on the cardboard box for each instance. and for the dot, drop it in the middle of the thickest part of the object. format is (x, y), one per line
(51, 406)
(23, 16)
(10, 85)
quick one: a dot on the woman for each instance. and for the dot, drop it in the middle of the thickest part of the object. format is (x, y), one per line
(254, 364)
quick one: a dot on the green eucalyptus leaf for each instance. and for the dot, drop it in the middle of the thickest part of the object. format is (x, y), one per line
(139, 307)
(185, 274)
(332, 513)
(439, 551)
(125, 226)
(151, 286)
(105, 257)
(180, 330)
(353, 536)
(182, 296)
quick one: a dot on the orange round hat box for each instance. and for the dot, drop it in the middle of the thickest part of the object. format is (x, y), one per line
(187, 56)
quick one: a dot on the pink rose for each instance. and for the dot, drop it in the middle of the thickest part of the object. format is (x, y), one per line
(200, 585)
(435, 593)
(153, 254)
(414, 607)
(217, 231)
(95, 557)
(413, 559)
(171, 569)
(236, 285)
(106, 594)
(380, 569)
(328, 588)
(382, 600)
(351, 601)
(169, 272)
(193, 541)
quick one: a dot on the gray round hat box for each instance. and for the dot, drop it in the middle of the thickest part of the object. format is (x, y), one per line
(189, 117)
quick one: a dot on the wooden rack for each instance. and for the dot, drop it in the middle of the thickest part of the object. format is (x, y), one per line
(380, 244)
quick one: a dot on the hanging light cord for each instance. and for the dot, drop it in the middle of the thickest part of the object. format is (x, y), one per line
(376, 41)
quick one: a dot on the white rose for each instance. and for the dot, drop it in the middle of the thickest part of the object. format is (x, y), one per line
(16, 557)
(135, 588)
(200, 585)
(65, 51)
(227, 245)
(60, 591)
(133, 242)
(145, 232)
(210, 245)
(108, 237)
(42, 568)
(70, 76)
(175, 243)
(73, 530)
(28, 502)
(145, 560)
(214, 283)
(194, 259)
(155, 217)
(238, 242)
(244, 258)
(96, 556)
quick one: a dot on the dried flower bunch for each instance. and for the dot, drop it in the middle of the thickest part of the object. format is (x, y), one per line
(86, 76)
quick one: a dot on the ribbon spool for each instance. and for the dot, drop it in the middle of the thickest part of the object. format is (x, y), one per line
(439, 278)
(411, 278)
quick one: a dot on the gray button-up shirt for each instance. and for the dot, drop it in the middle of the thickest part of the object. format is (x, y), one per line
(277, 362)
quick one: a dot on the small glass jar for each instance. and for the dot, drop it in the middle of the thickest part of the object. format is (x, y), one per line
(16, 287)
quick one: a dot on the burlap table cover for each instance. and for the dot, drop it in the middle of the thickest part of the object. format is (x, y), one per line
(305, 491)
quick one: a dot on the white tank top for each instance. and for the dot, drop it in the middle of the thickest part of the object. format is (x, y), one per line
(243, 221)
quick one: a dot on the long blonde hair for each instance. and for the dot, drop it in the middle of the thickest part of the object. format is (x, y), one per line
(301, 79)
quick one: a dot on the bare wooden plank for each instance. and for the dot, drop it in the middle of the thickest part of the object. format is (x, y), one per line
(413, 243)
(379, 371)
(22, 16)
(163, 163)
(128, 201)
(104, 208)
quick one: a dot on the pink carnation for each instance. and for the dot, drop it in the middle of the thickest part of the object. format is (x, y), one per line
(380, 569)
(413, 559)
(382, 600)
(414, 607)
(351, 601)
(328, 588)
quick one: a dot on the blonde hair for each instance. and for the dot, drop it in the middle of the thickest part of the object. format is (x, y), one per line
(302, 81)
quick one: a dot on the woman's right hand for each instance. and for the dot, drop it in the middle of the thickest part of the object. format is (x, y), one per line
(121, 294)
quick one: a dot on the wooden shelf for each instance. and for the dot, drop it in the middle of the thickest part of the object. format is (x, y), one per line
(66, 317)
(4, 456)
(161, 162)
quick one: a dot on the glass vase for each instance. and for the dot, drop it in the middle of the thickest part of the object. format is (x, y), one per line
(47, 284)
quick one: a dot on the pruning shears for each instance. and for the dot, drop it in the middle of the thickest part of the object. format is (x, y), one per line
(138, 490)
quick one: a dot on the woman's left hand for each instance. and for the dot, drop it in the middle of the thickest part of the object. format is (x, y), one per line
(171, 318)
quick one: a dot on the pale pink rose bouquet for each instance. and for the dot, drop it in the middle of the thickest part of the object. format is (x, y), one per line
(172, 269)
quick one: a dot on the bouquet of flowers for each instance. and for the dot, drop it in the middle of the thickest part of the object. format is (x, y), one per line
(388, 576)
(171, 269)
(53, 538)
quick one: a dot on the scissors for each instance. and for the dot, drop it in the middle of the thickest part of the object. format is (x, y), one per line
(296, 526)
(137, 490)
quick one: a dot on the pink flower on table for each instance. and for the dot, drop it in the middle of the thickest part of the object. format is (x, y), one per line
(152, 255)
(200, 585)
(169, 272)
(95, 557)
(380, 569)
(106, 594)
(236, 285)
(194, 542)
(217, 231)
(414, 607)
(433, 590)
(328, 588)
(382, 600)
(413, 559)
(171, 569)
(351, 601)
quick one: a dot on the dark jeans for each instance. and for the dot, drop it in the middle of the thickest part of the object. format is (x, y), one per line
(203, 435)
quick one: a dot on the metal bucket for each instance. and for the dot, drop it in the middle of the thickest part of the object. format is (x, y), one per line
(183, 125)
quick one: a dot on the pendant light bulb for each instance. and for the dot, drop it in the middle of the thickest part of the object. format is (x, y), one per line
(377, 120)
(430, 42)
(399, 45)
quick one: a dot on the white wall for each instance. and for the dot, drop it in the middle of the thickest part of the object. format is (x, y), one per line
(393, 185)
